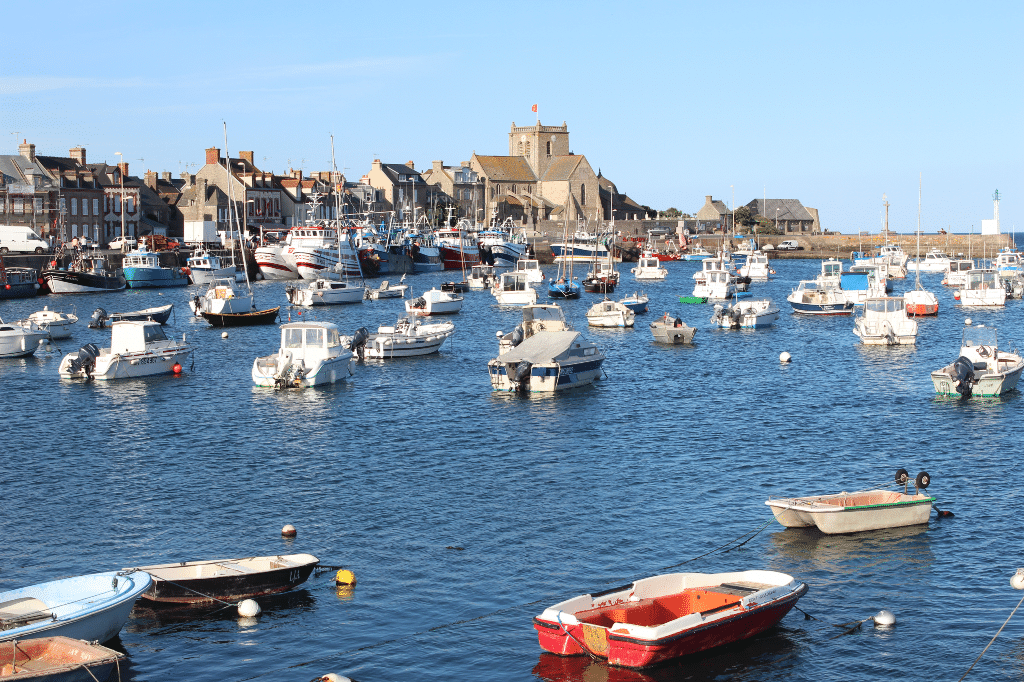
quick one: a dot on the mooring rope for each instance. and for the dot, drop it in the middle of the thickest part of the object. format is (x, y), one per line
(992, 640)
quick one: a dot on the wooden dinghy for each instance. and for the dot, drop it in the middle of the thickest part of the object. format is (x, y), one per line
(243, 319)
(202, 582)
(56, 659)
(668, 616)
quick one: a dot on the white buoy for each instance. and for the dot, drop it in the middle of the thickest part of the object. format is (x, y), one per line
(288, 531)
(248, 608)
(785, 357)
(884, 619)
(968, 322)
(1017, 581)
(223, 335)
(334, 677)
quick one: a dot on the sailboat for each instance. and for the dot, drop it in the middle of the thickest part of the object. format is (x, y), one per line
(919, 301)
(462, 286)
(565, 285)
(221, 305)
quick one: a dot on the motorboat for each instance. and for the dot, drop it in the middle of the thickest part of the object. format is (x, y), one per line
(884, 322)
(142, 269)
(434, 302)
(531, 267)
(982, 288)
(323, 291)
(637, 302)
(406, 338)
(672, 330)
(602, 279)
(457, 249)
(92, 607)
(513, 289)
(982, 369)
(877, 273)
(137, 349)
(649, 267)
(160, 314)
(810, 298)
(17, 341)
(934, 261)
(956, 272)
(221, 580)
(751, 313)
(57, 659)
(425, 253)
(831, 273)
(564, 288)
(698, 252)
(204, 267)
(714, 281)
(220, 297)
(388, 290)
(84, 275)
(920, 303)
(756, 267)
(311, 354)
(858, 511)
(481, 277)
(306, 252)
(18, 282)
(665, 617)
(608, 313)
(55, 323)
(503, 246)
(544, 354)
(1008, 262)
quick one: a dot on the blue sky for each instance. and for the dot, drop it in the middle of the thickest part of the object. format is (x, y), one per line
(833, 104)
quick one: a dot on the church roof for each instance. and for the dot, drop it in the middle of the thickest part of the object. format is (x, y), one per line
(562, 167)
(506, 168)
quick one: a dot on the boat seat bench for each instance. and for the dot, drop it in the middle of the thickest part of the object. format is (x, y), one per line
(20, 612)
(661, 610)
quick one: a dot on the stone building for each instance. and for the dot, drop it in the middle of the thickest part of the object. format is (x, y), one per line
(29, 196)
(459, 185)
(713, 216)
(260, 203)
(122, 210)
(401, 189)
(81, 196)
(789, 214)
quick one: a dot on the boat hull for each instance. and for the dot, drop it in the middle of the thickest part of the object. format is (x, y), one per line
(834, 517)
(148, 278)
(427, 340)
(205, 276)
(988, 386)
(250, 319)
(455, 258)
(229, 580)
(131, 365)
(265, 372)
(276, 262)
(922, 309)
(57, 659)
(843, 308)
(72, 282)
(548, 377)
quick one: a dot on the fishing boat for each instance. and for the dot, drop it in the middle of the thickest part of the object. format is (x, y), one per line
(858, 511)
(406, 338)
(457, 249)
(714, 281)
(982, 369)
(324, 291)
(746, 314)
(481, 277)
(982, 287)
(544, 354)
(18, 282)
(142, 269)
(582, 247)
(1008, 262)
(956, 272)
(55, 323)
(664, 617)
(84, 275)
(311, 354)
(531, 267)
(204, 267)
(220, 297)
(137, 349)
(91, 607)
(698, 252)
(671, 329)
(159, 314)
(57, 659)
(934, 261)
(388, 290)
(756, 266)
(608, 313)
(204, 582)
(810, 298)
(17, 341)
(884, 322)
(434, 302)
(649, 267)
(503, 245)
(637, 302)
(513, 289)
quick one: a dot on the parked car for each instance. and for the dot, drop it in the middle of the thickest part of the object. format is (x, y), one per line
(789, 245)
(119, 242)
(21, 238)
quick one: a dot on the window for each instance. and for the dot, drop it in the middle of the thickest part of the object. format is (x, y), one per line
(85, 207)
(520, 148)
(549, 148)
(583, 195)
(74, 230)
(117, 204)
(38, 204)
(527, 148)
(74, 206)
(95, 206)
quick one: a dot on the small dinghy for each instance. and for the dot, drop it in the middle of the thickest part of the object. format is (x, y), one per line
(982, 369)
(637, 302)
(55, 323)
(250, 319)
(201, 582)
(388, 290)
(90, 607)
(667, 616)
(859, 511)
(159, 314)
(57, 659)
(406, 338)
(671, 329)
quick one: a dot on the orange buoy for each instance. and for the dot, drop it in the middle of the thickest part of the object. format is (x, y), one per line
(177, 368)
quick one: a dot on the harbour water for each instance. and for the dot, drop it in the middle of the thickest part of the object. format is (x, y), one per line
(464, 513)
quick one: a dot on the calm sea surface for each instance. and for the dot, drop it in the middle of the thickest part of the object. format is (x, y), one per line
(464, 513)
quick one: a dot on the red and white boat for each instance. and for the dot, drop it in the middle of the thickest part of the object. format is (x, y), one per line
(921, 302)
(458, 250)
(667, 616)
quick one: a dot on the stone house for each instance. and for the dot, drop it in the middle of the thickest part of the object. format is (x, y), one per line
(29, 194)
(401, 189)
(122, 209)
(459, 185)
(714, 216)
(789, 214)
(81, 195)
(259, 201)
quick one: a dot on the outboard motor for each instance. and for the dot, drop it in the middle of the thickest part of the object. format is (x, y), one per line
(419, 303)
(99, 317)
(359, 342)
(85, 360)
(522, 375)
(517, 335)
(963, 376)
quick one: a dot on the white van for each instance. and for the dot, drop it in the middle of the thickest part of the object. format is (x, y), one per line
(20, 238)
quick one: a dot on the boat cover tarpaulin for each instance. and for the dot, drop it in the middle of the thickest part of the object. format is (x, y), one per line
(541, 348)
(853, 281)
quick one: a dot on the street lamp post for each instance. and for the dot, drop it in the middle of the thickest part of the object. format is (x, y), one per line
(120, 175)
(776, 218)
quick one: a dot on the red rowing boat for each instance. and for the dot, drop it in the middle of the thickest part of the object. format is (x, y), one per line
(664, 617)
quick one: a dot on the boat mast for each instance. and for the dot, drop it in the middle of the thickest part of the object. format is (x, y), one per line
(917, 283)
(232, 221)
(338, 187)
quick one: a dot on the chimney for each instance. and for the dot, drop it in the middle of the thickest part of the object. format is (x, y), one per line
(124, 169)
(78, 154)
(246, 156)
(212, 156)
(201, 191)
(27, 150)
(411, 165)
(166, 176)
(151, 179)
(438, 166)
(188, 178)
(297, 174)
(707, 198)
(376, 164)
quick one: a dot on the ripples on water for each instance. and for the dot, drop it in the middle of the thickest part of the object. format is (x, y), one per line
(549, 497)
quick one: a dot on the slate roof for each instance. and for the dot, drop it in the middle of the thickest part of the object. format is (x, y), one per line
(14, 166)
(394, 170)
(506, 169)
(789, 209)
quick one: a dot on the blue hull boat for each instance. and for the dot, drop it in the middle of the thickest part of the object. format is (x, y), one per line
(90, 607)
(844, 308)
(564, 289)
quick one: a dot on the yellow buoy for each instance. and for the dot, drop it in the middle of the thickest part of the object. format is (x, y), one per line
(345, 577)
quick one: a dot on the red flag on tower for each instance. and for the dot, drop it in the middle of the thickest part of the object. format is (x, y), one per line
(534, 109)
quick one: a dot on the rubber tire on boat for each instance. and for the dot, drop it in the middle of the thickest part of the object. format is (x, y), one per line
(902, 475)
(923, 480)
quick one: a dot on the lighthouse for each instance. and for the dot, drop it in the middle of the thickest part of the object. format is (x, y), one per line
(992, 226)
